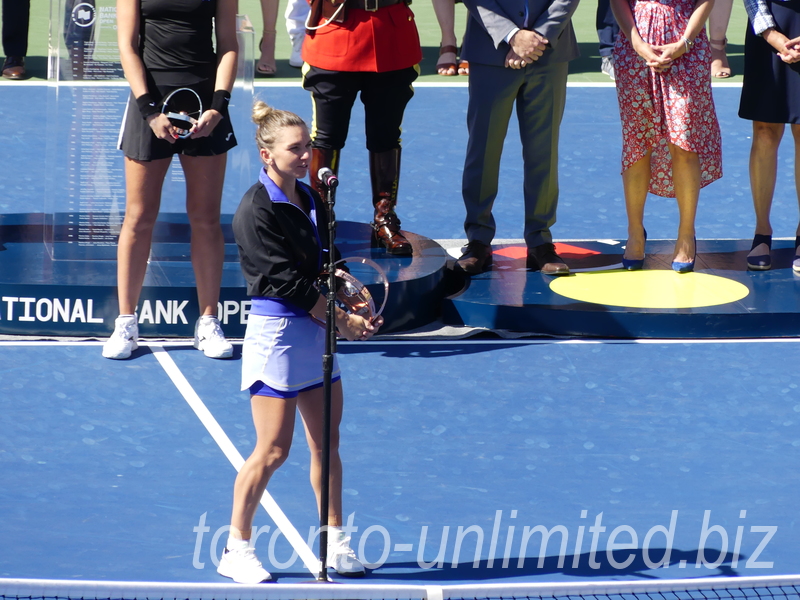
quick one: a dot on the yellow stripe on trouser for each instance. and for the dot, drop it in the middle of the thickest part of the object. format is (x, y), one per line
(419, 72)
(304, 70)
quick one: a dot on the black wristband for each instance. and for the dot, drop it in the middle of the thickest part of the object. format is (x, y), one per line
(220, 101)
(147, 106)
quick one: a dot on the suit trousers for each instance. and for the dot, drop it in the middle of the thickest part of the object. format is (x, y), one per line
(607, 28)
(16, 16)
(539, 94)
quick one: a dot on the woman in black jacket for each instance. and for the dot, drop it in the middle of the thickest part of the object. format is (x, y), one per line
(281, 229)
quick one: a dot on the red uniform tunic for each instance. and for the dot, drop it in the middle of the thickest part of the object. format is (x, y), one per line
(367, 41)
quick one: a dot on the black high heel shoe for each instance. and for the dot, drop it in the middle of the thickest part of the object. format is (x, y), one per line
(634, 264)
(762, 262)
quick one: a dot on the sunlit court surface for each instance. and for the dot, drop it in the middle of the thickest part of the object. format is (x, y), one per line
(474, 467)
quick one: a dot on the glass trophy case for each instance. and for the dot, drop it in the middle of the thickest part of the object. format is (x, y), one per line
(86, 100)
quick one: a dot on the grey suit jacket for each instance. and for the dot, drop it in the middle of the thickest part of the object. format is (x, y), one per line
(490, 21)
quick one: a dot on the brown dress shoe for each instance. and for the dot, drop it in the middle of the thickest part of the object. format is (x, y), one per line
(476, 258)
(544, 258)
(14, 67)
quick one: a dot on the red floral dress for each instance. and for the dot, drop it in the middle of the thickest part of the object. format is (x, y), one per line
(671, 106)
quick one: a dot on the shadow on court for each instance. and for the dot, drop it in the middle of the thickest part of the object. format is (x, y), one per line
(629, 563)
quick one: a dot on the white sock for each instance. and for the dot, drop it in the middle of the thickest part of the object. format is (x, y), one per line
(335, 534)
(236, 543)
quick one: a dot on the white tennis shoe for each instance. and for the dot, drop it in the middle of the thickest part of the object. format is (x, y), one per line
(124, 340)
(209, 338)
(242, 565)
(341, 557)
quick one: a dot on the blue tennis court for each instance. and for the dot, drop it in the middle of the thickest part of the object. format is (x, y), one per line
(526, 461)
(467, 462)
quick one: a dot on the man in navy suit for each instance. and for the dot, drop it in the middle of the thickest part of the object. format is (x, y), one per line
(518, 53)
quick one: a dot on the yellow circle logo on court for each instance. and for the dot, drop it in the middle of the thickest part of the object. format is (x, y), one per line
(650, 289)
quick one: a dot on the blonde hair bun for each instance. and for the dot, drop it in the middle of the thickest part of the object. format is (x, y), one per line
(270, 121)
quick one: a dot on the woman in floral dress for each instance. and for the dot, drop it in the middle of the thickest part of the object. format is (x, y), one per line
(670, 134)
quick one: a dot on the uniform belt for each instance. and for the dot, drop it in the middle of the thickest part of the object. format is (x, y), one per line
(372, 5)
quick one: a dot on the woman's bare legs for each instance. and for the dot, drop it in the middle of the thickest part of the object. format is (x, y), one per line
(717, 30)
(274, 422)
(796, 136)
(686, 175)
(763, 173)
(143, 183)
(310, 404)
(204, 178)
(636, 183)
(269, 15)
(446, 16)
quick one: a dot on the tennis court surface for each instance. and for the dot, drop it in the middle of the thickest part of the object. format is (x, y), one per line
(468, 464)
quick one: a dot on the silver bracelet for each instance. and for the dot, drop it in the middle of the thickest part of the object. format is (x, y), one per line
(688, 44)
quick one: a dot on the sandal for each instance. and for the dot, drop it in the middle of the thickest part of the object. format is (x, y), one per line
(463, 67)
(444, 66)
(720, 69)
(266, 67)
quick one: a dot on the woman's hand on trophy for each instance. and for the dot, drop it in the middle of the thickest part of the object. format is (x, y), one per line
(206, 124)
(162, 128)
(355, 327)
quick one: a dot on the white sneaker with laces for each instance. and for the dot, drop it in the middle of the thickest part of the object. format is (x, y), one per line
(242, 565)
(607, 66)
(124, 340)
(341, 557)
(296, 59)
(209, 338)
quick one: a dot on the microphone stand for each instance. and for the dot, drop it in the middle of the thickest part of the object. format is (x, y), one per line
(327, 374)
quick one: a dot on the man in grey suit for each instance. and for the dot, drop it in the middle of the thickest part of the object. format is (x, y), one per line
(518, 53)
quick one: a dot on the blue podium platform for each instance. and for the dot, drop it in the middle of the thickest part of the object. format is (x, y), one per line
(75, 294)
(721, 299)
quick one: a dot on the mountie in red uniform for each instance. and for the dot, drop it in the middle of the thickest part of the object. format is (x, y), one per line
(371, 47)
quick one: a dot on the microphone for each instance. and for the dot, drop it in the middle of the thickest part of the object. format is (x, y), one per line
(328, 178)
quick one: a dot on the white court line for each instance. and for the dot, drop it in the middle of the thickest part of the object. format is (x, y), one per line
(299, 84)
(460, 341)
(229, 450)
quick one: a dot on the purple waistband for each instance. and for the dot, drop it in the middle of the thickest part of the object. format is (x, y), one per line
(275, 307)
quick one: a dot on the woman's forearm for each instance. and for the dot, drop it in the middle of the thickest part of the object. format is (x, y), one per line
(128, 41)
(227, 44)
(698, 19)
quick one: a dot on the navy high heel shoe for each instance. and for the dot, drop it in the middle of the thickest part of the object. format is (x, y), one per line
(634, 264)
(685, 267)
(762, 262)
(796, 258)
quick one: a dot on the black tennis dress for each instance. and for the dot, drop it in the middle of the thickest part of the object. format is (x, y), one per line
(176, 47)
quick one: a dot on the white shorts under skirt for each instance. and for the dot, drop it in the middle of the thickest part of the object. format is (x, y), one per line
(283, 352)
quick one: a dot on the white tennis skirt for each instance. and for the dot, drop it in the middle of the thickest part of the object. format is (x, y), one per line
(283, 352)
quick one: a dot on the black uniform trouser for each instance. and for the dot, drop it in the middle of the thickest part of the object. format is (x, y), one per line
(384, 96)
(16, 16)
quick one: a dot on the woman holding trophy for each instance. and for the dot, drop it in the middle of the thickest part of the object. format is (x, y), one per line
(167, 50)
(281, 230)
